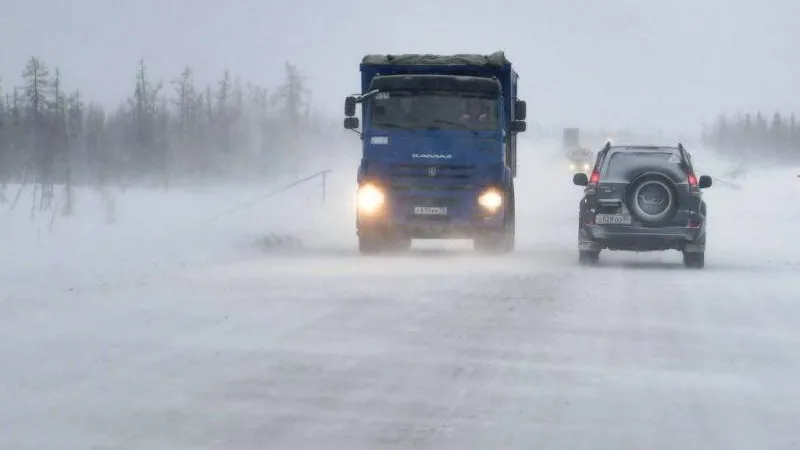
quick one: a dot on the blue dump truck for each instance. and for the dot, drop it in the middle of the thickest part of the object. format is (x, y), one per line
(439, 154)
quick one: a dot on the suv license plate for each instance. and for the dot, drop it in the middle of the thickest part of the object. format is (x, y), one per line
(430, 210)
(612, 219)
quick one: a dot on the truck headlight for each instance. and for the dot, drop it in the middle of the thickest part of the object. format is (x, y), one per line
(370, 198)
(491, 200)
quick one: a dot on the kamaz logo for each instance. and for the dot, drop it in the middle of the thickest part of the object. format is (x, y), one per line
(431, 155)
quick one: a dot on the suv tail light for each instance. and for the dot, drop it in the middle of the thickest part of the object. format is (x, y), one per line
(694, 185)
(595, 177)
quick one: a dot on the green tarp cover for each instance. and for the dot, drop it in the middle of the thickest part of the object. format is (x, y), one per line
(494, 59)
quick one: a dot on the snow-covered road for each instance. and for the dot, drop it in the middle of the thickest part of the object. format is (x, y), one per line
(321, 348)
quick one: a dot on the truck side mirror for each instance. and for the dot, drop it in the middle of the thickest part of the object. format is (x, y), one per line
(580, 179)
(518, 126)
(350, 123)
(704, 182)
(520, 110)
(349, 106)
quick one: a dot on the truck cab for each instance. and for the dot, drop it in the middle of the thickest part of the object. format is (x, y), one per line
(438, 150)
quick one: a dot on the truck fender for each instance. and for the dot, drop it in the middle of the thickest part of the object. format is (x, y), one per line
(362, 171)
(508, 179)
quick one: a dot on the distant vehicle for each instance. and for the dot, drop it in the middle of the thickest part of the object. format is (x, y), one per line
(579, 158)
(439, 150)
(642, 198)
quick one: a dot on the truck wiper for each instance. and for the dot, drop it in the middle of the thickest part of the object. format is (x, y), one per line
(455, 124)
(394, 125)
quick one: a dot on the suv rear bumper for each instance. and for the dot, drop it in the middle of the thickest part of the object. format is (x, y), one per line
(596, 237)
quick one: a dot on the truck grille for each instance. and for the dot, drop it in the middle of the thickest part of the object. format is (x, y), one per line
(432, 176)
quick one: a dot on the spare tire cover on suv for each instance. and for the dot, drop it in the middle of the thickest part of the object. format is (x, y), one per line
(653, 199)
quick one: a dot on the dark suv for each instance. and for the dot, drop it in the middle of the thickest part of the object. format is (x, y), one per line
(642, 198)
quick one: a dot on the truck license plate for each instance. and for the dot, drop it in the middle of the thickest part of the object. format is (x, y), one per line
(612, 219)
(430, 210)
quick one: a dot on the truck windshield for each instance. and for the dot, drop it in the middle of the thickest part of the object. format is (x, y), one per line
(434, 111)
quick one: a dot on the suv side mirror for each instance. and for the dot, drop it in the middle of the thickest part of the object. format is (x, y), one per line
(517, 126)
(350, 123)
(704, 182)
(580, 179)
(349, 106)
(520, 110)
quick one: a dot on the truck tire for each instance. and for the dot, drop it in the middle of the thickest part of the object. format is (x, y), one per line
(369, 242)
(397, 242)
(502, 242)
(494, 244)
(373, 241)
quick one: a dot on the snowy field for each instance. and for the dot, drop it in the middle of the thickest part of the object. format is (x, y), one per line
(185, 319)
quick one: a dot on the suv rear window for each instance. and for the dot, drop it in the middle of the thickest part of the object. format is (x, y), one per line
(621, 163)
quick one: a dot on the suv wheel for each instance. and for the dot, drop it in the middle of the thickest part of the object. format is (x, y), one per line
(588, 257)
(694, 260)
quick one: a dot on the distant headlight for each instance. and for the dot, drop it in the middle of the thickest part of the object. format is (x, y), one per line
(586, 167)
(370, 198)
(572, 167)
(491, 200)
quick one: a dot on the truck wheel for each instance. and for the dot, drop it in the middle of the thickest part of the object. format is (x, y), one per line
(374, 241)
(398, 243)
(369, 242)
(493, 244)
(498, 243)
(510, 236)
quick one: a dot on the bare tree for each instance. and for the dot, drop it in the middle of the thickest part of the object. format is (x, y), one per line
(60, 141)
(4, 143)
(292, 98)
(184, 88)
(223, 113)
(37, 85)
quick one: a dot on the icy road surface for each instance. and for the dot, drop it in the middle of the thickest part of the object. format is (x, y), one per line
(321, 348)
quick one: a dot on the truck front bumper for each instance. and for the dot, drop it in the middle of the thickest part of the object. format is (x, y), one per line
(463, 218)
(440, 228)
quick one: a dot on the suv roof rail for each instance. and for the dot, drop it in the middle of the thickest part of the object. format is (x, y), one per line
(680, 146)
(607, 146)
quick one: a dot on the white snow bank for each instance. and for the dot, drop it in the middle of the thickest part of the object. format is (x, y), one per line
(138, 231)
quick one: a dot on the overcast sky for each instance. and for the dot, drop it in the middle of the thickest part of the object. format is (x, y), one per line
(665, 64)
